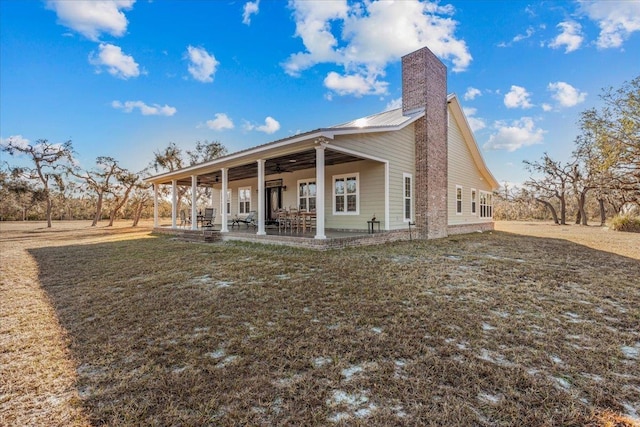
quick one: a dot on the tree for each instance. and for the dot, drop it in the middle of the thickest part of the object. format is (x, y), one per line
(127, 181)
(172, 158)
(49, 164)
(98, 181)
(553, 182)
(608, 148)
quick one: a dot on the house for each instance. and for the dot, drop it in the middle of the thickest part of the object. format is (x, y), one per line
(418, 165)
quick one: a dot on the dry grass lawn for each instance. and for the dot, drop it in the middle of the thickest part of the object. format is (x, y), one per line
(532, 324)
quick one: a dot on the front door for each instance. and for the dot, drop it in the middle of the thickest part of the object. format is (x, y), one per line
(273, 202)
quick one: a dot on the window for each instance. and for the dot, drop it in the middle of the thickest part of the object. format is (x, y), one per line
(458, 200)
(473, 201)
(486, 205)
(244, 200)
(228, 202)
(346, 194)
(408, 196)
(307, 194)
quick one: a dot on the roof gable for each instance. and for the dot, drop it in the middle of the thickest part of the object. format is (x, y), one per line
(455, 109)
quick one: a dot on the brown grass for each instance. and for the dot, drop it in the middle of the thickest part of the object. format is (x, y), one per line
(530, 325)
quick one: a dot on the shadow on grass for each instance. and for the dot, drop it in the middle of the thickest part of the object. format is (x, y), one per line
(491, 329)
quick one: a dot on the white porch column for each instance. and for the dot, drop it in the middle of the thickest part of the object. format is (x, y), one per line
(386, 196)
(320, 192)
(194, 198)
(224, 228)
(261, 231)
(155, 205)
(174, 202)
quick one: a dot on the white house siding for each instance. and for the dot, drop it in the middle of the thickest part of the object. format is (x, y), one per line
(399, 149)
(462, 171)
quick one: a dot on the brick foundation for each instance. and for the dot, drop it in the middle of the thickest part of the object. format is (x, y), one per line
(470, 228)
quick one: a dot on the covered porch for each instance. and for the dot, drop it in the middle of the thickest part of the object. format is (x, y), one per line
(283, 175)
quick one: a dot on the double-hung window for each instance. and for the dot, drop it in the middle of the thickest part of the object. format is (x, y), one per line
(346, 194)
(458, 200)
(244, 200)
(473, 201)
(486, 204)
(407, 196)
(307, 194)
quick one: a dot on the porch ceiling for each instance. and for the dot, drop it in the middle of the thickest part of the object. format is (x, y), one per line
(275, 166)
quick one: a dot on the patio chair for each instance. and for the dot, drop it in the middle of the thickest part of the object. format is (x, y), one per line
(283, 220)
(184, 219)
(209, 217)
(249, 219)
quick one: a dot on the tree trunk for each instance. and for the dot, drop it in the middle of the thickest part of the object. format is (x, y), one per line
(138, 213)
(578, 216)
(581, 202)
(563, 211)
(96, 218)
(49, 211)
(119, 205)
(551, 209)
(603, 213)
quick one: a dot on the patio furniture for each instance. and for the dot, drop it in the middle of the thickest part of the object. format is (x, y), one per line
(184, 219)
(308, 220)
(370, 225)
(283, 219)
(248, 220)
(207, 219)
(294, 219)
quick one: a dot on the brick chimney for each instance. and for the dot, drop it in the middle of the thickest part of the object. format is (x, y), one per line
(424, 86)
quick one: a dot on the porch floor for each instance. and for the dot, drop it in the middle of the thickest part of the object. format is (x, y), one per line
(334, 238)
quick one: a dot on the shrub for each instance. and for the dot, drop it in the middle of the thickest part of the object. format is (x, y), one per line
(626, 223)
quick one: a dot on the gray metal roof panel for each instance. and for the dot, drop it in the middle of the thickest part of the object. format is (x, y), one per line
(391, 118)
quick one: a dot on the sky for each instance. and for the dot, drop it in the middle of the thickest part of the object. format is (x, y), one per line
(124, 78)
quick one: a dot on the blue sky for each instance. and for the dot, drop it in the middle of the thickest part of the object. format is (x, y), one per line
(123, 78)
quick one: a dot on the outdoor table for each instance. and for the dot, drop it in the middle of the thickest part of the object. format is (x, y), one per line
(370, 225)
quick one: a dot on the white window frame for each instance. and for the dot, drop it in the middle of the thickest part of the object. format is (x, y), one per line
(474, 202)
(334, 178)
(405, 197)
(486, 204)
(306, 181)
(242, 201)
(459, 199)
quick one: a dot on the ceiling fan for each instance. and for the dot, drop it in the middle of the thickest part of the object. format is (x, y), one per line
(278, 169)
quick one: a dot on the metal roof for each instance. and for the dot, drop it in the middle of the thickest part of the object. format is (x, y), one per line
(391, 118)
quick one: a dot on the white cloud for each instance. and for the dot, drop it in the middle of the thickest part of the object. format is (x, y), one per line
(394, 104)
(565, 94)
(616, 19)
(517, 97)
(146, 110)
(270, 126)
(115, 61)
(17, 141)
(570, 36)
(364, 37)
(546, 107)
(202, 64)
(92, 17)
(530, 31)
(519, 133)
(475, 123)
(221, 122)
(471, 93)
(354, 84)
(250, 8)
(519, 37)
